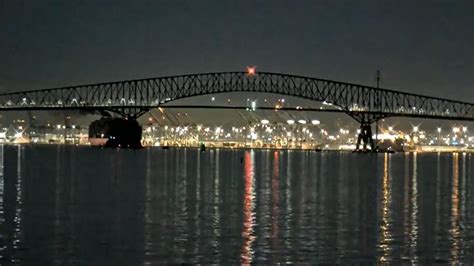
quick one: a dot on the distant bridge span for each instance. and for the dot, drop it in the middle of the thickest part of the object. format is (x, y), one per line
(133, 98)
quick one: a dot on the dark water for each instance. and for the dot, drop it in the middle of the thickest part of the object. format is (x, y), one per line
(85, 206)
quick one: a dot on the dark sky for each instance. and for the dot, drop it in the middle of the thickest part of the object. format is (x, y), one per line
(420, 46)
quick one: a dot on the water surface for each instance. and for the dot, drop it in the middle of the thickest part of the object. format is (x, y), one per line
(85, 206)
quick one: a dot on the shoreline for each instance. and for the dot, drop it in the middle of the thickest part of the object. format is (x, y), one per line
(431, 149)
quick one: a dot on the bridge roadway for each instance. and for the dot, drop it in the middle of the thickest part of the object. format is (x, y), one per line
(132, 98)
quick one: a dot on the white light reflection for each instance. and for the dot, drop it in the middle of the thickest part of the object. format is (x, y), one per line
(249, 209)
(385, 227)
(2, 214)
(437, 221)
(289, 210)
(19, 202)
(148, 211)
(215, 211)
(414, 212)
(197, 213)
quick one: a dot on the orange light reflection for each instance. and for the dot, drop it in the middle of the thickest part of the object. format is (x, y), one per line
(249, 209)
(455, 228)
(275, 195)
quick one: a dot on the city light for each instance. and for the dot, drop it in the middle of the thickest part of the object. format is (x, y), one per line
(253, 135)
(254, 105)
(266, 132)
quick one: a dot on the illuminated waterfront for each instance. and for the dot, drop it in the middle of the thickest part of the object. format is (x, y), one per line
(292, 134)
(71, 205)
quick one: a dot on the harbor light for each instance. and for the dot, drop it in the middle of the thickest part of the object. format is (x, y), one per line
(254, 105)
(254, 135)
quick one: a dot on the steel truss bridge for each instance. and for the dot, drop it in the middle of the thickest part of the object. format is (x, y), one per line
(133, 98)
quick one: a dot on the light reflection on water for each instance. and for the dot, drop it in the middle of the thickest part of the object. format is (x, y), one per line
(249, 209)
(73, 205)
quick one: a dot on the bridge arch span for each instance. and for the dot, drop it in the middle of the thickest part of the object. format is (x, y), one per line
(135, 97)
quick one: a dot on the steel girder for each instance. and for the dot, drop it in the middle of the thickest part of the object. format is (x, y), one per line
(133, 98)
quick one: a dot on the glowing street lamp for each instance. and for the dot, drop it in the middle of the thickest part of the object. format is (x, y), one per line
(455, 129)
(290, 122)
(415, 128)
(303, 122)
(315, 122)
(464, 129)
(264, 121)
(390, 128)
(438, 129)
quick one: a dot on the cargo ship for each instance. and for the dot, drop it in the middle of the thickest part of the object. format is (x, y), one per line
(115, 133)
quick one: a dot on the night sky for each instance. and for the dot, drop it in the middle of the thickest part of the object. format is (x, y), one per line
(420, 47)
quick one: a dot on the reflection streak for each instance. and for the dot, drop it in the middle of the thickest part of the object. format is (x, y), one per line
(385, 229)
(275, 198)
(2, 214)
(249, 209)
(414, 212)
(454, 230)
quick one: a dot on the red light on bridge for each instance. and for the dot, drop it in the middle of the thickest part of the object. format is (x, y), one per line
(251, 70)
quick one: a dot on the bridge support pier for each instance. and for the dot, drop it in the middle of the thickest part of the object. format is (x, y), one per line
(365, 138)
